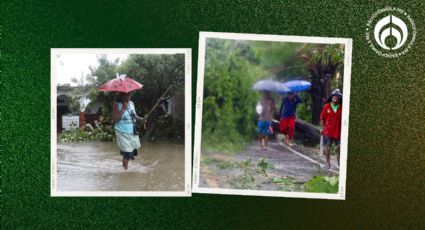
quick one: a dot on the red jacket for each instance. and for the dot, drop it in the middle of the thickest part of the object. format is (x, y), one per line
(331, 121)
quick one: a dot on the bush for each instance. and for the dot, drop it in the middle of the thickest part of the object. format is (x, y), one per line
(323, 184)
(87, 133)
(288, 184)
(168, 128)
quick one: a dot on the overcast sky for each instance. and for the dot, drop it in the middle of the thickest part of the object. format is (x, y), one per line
(73, 65)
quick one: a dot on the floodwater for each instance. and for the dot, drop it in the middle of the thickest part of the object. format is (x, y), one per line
(97, 166)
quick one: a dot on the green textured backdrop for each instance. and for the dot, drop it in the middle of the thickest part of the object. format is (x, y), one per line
(386, 151)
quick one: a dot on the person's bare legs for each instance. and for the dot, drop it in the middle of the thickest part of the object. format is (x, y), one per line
(337, 152)
(291, 131)
(286, 139)
(266, 140)
(285, 136)
(328, 155)
(290, 143)
(260, 138)
(125, 163)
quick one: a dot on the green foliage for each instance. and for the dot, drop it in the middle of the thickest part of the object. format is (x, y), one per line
(273, 54)
(304, 109)
(304, 112)
(156, 73)
(229, 103)
(168, 129)
(326, 59)
(246, 171)
(79, 92)
(74, 102)
(102, 133)
(288, 183)
(246, 180)
(208, 161)
(250, 175)
(100, 75)
(318, 184)
(337, 82)
(322, 184)
(233, 66)
(263, 165)
(279, 180)
(245, 165)
(220, 164)
(225, 165)
(326, 54)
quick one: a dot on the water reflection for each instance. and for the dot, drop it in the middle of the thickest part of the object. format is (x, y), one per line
(96, 166)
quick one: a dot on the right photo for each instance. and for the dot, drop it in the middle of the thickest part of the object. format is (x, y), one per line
(272, 115)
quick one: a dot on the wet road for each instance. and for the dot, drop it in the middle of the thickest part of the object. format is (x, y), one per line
(286, 163)
(96, 166)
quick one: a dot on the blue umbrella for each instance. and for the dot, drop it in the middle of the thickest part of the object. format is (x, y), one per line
(269, 85)
(296, 86)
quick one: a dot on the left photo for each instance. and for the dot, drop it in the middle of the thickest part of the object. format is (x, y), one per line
(121, 122)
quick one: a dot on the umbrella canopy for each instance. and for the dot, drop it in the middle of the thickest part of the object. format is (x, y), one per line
(297, 86)
(269, 85)
(121, 84)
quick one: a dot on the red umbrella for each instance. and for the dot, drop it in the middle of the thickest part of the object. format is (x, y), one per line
(121, 84)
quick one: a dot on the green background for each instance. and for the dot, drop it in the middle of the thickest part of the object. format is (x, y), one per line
(386, 150)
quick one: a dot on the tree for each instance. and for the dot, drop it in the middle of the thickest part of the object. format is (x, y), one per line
(323, 61)
(228, 107)
(100, 75)
(156, 73)
(318, 63)
(233, 66)
(79, 93)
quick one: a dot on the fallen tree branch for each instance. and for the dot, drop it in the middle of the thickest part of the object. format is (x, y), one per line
(157, 103)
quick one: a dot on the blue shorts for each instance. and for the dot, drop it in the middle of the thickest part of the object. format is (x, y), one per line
(264, 128)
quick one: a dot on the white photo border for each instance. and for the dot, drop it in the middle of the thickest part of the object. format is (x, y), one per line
(188, 123)
(348, 42)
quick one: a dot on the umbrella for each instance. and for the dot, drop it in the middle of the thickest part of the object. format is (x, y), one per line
(269, 85)
(297, 86)
(121, 83)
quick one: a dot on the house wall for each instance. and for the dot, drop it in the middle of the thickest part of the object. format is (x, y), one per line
(66, 115)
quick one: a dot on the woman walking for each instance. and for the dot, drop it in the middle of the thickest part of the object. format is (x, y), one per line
(124, 116)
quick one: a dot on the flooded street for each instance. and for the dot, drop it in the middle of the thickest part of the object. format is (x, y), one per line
(96, 166)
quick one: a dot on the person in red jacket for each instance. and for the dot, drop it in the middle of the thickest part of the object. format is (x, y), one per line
(330, 121)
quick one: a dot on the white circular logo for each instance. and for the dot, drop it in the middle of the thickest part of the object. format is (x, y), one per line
(390, 32)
